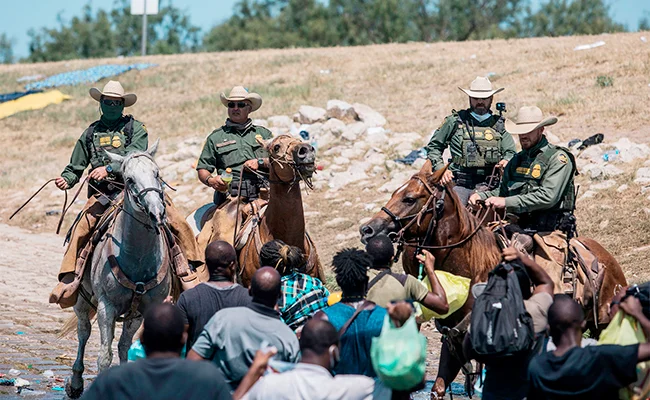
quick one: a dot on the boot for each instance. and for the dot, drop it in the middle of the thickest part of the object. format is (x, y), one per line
(65, 292)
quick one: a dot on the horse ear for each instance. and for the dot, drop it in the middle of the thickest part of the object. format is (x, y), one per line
(115, 157)
(427, 168)
(264, 143)
(152, 150)
(437, 175)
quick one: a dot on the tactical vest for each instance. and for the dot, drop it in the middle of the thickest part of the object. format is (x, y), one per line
(529, 177)
(112, 142)
(481, 146)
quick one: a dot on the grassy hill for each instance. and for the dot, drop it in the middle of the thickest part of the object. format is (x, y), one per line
(413, 85)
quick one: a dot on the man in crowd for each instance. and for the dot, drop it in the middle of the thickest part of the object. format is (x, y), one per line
(506, 379)
(476, 138)
(234, 146)
(118, 134)
(386, 286)
(592, 372)
(537, 185)
(200, 303)
(163, 374)
(233, 335)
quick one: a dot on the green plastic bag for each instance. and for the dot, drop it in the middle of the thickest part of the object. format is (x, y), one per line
(625, 330)
(399, 355)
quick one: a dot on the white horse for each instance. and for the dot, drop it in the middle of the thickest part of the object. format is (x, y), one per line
(130, 268)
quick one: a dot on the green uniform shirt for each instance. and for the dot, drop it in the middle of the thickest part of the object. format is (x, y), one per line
(449, 135)
(531, 182)
(228, 147)
(112, 140)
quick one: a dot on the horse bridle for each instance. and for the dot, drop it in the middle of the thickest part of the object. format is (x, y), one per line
(138, 197)
(417, 218)
(297, 175)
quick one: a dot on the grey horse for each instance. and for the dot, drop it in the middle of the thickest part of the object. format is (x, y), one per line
(136, 243)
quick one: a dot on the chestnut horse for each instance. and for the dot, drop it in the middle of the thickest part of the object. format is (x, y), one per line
(422, 208)
(292, 161)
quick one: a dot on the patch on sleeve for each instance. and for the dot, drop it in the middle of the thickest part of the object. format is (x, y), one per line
(144, 128)
(563, 158)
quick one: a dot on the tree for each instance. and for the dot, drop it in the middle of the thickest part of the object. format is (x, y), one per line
(569, 17)
(6, 50)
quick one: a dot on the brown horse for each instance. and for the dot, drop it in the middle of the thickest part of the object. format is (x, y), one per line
(292, 161)
(422, 208)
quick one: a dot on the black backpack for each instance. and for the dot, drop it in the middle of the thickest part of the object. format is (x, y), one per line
(500, 325)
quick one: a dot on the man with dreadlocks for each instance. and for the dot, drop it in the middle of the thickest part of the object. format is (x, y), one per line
(356, 319)
(302, 295)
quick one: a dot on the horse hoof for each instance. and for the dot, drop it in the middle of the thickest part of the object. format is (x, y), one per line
(72, 392)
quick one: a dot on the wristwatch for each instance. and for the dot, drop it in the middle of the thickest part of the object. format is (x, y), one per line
(260, 161)
(109, 169)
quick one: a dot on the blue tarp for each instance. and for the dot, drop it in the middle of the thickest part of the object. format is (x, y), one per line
(85, 75)
(412, 156)
(15, 95)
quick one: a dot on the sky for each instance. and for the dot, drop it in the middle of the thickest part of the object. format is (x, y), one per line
(18, 16)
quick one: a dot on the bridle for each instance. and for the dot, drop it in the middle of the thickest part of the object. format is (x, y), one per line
(282, 161)
(138, 197)
(435, 202)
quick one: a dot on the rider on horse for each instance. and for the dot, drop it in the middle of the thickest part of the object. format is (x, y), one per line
(119, 134)
(477, 140)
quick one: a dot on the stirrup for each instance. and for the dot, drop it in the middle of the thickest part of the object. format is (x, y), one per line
(181, 266)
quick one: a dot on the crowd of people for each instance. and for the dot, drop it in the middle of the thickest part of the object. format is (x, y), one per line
(279, 339)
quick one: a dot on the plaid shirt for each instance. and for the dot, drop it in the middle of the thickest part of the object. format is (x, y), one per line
(301, 297)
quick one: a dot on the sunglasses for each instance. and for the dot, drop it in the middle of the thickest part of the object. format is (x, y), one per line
(239, 104)
(112, 102)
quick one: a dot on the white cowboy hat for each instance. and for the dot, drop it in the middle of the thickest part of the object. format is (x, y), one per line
(529, 118)
(480, 88)
(240, 93)
(114, 89)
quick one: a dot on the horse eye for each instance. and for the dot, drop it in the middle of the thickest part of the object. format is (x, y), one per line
(276, 148)
(408, 200)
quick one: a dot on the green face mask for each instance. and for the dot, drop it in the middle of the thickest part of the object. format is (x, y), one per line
(111, 114)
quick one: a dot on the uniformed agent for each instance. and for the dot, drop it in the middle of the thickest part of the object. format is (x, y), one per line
(477, 140)
(233, 146)
(537, 184)
(119, 134)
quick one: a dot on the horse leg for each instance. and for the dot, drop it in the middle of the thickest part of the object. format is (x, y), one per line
(75, 386)
(447, 370)
(106, 316)
(129, 328)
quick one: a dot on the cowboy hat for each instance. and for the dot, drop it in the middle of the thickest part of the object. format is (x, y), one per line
(480, 88)
(239, 93)
(529, 118)
(114, 89)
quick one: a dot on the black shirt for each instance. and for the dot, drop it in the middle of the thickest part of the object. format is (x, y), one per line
(160, 379)
(593, 372)
(200, 303)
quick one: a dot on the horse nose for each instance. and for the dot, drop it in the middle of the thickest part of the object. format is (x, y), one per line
(304, 150)
(367, 231)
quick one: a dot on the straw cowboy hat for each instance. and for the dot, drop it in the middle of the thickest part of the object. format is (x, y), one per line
(529, 118)
(480, 88)
(114, 89)
(239, 93)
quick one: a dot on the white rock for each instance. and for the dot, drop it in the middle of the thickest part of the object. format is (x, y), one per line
(346, 236)
(296, 117)
(352, 153)
(622, 188)
(418, 163)
(645, 189)
(341, 160)
(603, 185)
(603, 224)
(552, 138)
(189, 176)
(587, 195)
(630, 151)
(280, 121)
(378, 169)
(347, 204)
(594, 170)
(260, 122)
(325, 140)
(336, 221)
(340, 110)
(365, 220)
(642, 176)
(310, 115)
(593, 153)
(369, 206)
(334, 126)
(361, 145)
(353, 131)
(341, 179)
(612, 170)
(375, 157)
(396, 180)
(277, 131)
(407, 137)
(369, 116)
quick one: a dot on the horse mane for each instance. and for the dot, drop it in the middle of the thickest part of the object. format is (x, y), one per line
(481, 251)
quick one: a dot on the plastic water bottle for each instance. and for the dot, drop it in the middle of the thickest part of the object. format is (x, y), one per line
(611, 155)
(226, 177)
(314, 144)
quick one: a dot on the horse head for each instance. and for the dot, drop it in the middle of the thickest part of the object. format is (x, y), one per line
(411, 207)
(142, 184)
(291, 159)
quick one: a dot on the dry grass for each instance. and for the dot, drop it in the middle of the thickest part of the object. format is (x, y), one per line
(413, 85)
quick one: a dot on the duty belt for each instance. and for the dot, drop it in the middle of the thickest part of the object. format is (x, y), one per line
(469, 180)
(541, 221)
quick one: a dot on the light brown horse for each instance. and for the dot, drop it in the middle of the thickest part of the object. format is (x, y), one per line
(422, 208)
(292, 161)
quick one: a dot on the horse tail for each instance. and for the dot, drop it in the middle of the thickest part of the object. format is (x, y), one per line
(70, 325)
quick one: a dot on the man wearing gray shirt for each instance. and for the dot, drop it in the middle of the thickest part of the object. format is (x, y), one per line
(233, 335)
